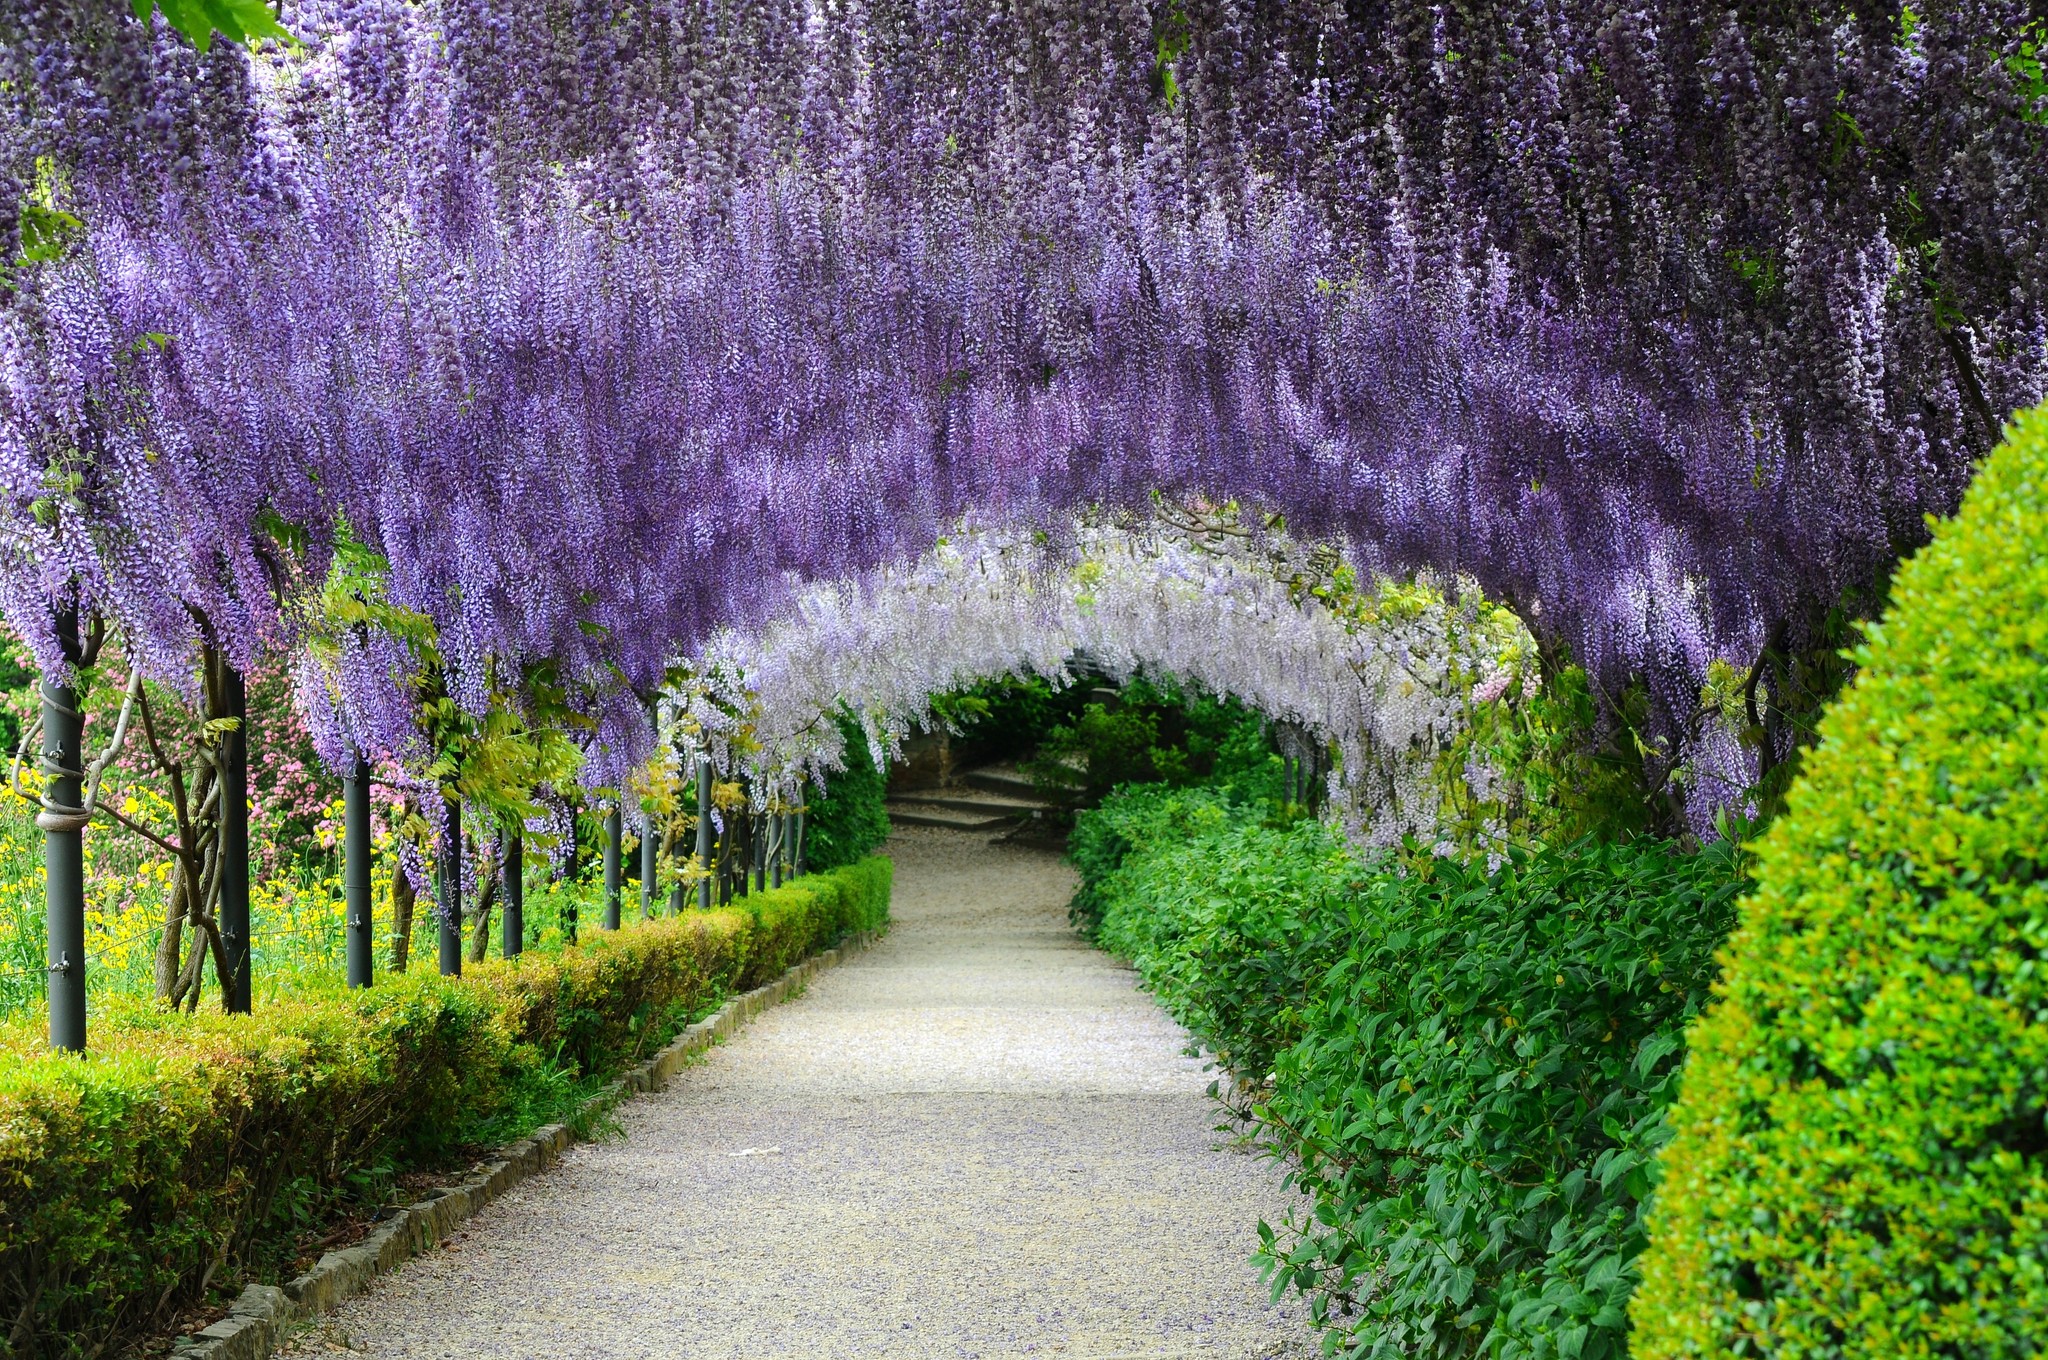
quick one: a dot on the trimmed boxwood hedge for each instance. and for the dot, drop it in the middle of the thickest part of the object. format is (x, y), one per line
(131, 1176)
(1860, 1165)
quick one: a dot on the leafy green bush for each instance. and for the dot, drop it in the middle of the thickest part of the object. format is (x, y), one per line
(1104, 836)
(1229, 918)
(1860, 1165)
(180, 1149)
(1008, 717)
(1157, 732)
(1469, 1069)
(786, 921)
(848, 818)
(1479, 1091)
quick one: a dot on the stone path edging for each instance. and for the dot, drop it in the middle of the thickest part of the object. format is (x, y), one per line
(263, 1314)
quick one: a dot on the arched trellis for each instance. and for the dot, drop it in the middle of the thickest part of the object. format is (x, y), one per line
(1369, 695)
(592, 387)
(593, 372)
(1240, 609)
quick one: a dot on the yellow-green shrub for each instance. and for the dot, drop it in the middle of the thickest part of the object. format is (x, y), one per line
(130, 1175)
(1859, 1167)
(788, 920)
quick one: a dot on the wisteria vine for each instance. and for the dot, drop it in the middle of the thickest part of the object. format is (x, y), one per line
(605, 322)
(1385, 683)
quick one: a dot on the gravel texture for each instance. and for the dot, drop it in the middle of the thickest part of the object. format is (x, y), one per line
(976, 1139)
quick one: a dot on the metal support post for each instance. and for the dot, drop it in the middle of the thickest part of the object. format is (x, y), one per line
(743, 850)
(234, 842)
(355, 801)
(761, 824)
(512, 887)
(704, 832)
(614, 836)
(796, 850)
(63, 824)
(569, 912)
(650, 867)
(451, 888)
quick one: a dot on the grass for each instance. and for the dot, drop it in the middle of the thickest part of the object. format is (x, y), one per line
(297, 918)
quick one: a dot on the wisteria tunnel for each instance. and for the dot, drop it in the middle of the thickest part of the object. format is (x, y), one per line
(1475, 572)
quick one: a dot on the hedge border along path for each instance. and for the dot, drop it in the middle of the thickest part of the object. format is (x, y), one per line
(1860, 1166)
(129, 1175)
(978, 1138)
(265, 1314)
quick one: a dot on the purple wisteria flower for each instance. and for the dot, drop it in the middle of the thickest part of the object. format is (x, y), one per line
(604, 322)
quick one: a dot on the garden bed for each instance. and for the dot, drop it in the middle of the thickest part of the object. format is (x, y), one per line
(188, 1154)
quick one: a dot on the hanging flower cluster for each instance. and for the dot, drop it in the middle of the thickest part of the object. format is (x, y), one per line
(604, 322)
(1384, 678)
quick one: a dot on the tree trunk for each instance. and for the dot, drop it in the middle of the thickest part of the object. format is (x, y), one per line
(205, 933)
(197, 815)
(192, 977)
(480, 935)
(188, 903)
(223, 966)
(232, 935)
(402, 899)
(170, 947)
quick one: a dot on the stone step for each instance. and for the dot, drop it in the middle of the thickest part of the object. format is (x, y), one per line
(974, 800)
(1010, 782)
(905, 812)
(1005, 780)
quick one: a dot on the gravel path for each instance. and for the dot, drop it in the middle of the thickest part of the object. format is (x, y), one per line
(976, 1139)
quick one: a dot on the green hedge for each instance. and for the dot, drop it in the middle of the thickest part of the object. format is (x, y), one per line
(1469, 1068)
(183, 1148)
(1481, 1087)
(849, 816)
(1231, 921)
(785, 919)
(1861, 1164)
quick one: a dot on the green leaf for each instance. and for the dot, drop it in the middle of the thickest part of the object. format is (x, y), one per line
(1655, 1049)
(46, 233)
(240, 21)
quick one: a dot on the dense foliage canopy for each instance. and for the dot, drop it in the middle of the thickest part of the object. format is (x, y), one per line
(522, 373)
(1665, 323)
